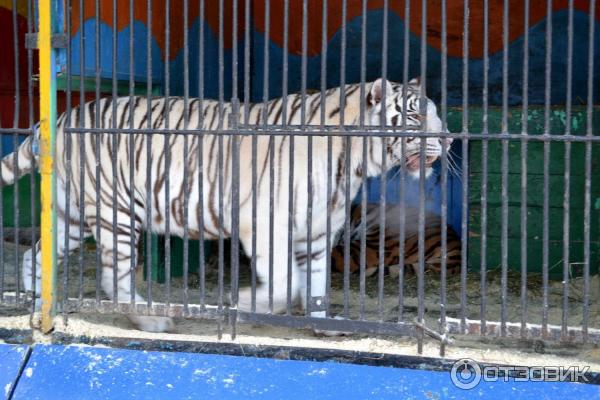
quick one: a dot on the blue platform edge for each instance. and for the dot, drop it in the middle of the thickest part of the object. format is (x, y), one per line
(76, 372)
(11, 359)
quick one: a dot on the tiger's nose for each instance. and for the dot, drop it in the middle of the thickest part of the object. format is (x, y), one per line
(430, 160)
(448, 140)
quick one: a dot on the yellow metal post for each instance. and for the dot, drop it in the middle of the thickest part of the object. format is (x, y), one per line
(47, 131)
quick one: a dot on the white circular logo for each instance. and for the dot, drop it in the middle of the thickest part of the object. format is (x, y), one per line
(465, 374)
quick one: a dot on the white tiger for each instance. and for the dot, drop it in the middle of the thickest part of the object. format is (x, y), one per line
(101, 115)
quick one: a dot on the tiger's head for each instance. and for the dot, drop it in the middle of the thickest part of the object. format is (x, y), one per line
(394, 113)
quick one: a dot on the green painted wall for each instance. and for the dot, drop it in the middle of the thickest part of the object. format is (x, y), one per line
(535, 197)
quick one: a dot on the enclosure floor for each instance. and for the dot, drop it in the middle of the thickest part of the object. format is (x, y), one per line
(109, 325)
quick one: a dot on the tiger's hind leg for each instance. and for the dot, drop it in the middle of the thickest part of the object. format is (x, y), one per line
(318, 275)
(279, 287)
(63, 247)
(122, 253)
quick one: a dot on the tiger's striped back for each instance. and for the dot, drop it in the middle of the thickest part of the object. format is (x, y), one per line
(391, 247)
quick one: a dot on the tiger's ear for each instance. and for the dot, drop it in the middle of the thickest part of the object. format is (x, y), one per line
(376, 93)
(415, 84)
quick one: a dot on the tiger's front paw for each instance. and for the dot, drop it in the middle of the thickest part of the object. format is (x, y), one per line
(328, 333)
(262, 300)
(153, 324)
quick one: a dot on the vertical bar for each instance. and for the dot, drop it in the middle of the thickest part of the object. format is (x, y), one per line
(115, 150)
(47, 142)
(247, 95)
(247, 35)
(444, 177)
(134, 238)
(97, 124)
(524, 143)
(186, 172)
(504, 167)
(347, 157)
(148, 139)
(588, 174)
(309, 172)
(383, 186)
(422, 156)
(69, 150)
(365, 143)
(235, 181)
(567, 175)
(324, 39)
(271, 151)
(546, 188)
(16, 117)
(201, 267)
(484, 168)
(402, 216)
(465, 168)
(284, 86)
(167, 149)
(32, 176)
(220, 178)
(80, 139)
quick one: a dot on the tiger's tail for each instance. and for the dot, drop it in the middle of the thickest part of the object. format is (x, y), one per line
(20, 162)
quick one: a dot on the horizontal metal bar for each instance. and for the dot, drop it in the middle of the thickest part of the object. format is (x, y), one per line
(515, 330)
(57, 41)
(349, 131)
(140, 308)
(329, 324)
(11, 298)
(18, 131)
(472, 327)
